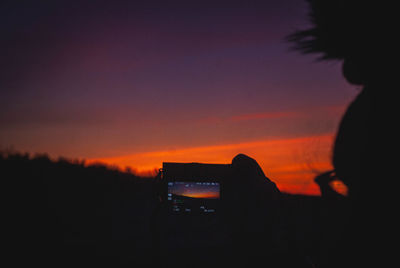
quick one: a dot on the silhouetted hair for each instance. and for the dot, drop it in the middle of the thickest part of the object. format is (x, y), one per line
(340, 28)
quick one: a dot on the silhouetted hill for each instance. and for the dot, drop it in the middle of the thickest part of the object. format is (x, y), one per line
(62, 212)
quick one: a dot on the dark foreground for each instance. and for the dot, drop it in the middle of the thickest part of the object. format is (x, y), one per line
(59, 213)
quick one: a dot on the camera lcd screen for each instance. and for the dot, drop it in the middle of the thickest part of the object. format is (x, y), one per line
(193, 197)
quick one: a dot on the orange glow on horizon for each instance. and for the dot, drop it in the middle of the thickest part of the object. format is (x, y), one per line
(291, 163)
(208, 195)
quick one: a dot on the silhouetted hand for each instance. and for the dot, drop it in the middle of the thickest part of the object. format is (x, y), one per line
(265, 235)
(254, 191)
(248, 174)
(255, 207)
(323, 180)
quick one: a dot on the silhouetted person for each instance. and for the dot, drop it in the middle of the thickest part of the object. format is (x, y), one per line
(359, 34)
(355, 229)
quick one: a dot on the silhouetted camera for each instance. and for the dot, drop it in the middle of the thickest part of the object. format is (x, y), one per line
(193, 188)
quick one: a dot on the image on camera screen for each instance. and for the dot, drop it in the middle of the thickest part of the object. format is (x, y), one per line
(193, 197)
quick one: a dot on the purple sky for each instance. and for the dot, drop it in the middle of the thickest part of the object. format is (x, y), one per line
(98, 79)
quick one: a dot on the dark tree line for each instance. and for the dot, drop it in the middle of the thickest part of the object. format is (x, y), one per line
(64, 212)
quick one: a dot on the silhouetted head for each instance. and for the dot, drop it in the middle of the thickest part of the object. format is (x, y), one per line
(354, 31)
(361, 34)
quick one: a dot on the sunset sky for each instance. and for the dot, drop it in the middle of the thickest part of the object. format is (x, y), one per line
(135, 84)
(194, 190)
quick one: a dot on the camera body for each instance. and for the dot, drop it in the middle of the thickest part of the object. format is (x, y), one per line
(193, 188)
(191, 214)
